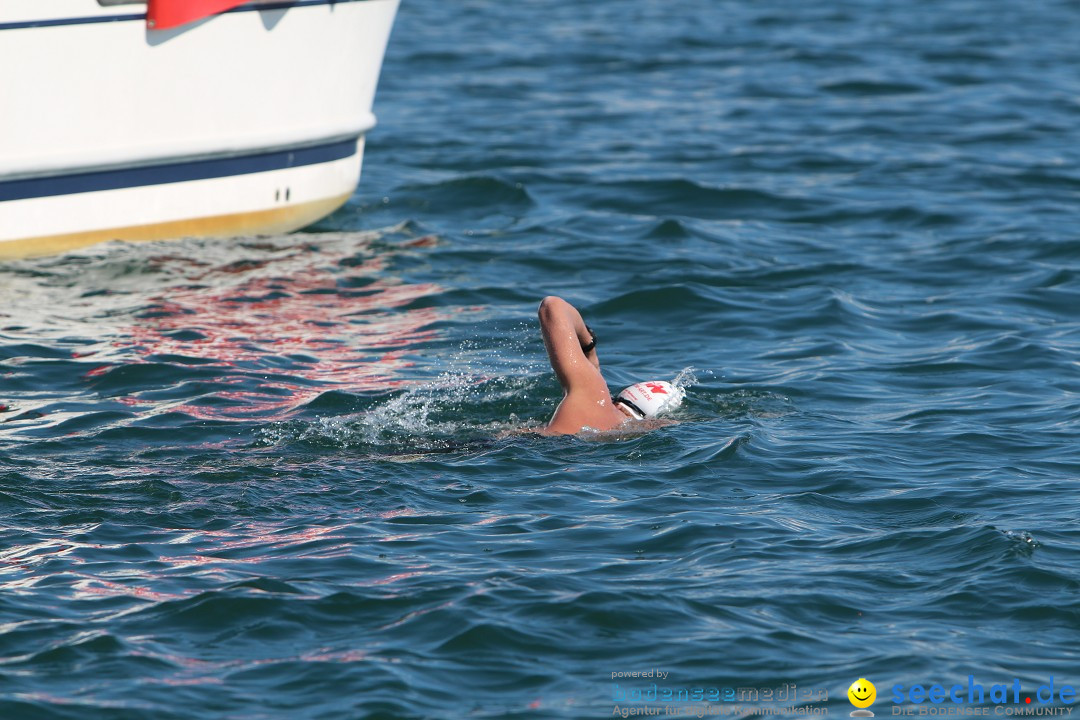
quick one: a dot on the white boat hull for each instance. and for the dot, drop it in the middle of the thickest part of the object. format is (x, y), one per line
(248, 122)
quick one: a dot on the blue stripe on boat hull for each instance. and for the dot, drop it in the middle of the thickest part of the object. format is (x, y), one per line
(183, 171)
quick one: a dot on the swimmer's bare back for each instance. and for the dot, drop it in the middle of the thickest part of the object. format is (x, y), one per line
(571, 348)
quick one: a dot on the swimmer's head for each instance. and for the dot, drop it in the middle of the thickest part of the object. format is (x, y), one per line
(649, 399)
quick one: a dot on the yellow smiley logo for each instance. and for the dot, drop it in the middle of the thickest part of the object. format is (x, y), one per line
(862, 693)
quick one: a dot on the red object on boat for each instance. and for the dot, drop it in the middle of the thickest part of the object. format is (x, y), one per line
(165, 14)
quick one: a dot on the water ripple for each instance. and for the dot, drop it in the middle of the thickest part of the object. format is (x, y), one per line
(276, 477)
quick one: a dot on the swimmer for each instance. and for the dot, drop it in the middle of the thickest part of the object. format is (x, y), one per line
(571, 348)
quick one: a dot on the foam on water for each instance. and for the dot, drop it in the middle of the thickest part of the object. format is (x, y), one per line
(686, 378)
(440, 413)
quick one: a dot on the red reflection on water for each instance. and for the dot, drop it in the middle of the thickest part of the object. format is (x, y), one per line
(183, 682)
(397, 512)
(90, 586)
(284, 329)
(263, 538)
(339, 656)
(395, 577)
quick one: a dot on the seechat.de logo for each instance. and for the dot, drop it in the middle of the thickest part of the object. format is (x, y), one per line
(862, 694)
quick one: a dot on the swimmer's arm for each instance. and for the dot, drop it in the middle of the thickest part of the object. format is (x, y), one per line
(564, 335)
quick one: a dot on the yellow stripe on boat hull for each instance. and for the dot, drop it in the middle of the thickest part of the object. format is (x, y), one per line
(261, 222)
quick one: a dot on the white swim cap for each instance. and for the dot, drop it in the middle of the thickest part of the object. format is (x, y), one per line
(649, 399)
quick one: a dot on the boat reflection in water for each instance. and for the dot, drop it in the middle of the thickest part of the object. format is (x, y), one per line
(263, 336)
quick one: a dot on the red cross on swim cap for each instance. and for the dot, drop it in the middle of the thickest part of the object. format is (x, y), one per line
(649, 399)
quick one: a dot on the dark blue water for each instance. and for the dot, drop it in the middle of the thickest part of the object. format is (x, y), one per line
(265, 479)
